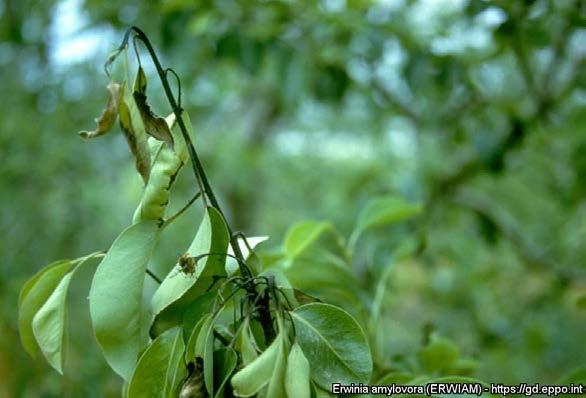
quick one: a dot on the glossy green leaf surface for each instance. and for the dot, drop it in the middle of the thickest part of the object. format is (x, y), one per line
(256, 375)
(160, 369)
(334, 344)
(116, 296)
(50, 321)
(33, 295)
(178, 289)
(297, 376)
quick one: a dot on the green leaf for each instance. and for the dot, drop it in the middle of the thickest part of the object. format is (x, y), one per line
(225, 360)
(198, 308)
(160, 369)
(33, 295)
(49, 322)
(248, 347)
(439, 355)
(116, 296)
(383, 211)
(297, 376)
(204, 348)
(334, 344)
(302, 235)
(133, 128)
(317, 263)
(253, 377)
(395, 377)
(108, 116)
(178, 289)
(190, 349)
(276, 387)
(577, 376)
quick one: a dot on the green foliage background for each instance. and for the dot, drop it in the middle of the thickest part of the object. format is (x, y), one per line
(306, 110)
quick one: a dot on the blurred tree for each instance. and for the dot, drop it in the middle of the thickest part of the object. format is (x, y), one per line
(305, 110)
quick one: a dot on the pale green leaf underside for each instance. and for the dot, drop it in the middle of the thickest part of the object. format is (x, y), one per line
(179, 289)
(49, 322)
(160, 368)
(33, 295)
(116, 296)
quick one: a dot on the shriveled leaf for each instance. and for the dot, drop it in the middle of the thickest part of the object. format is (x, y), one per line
(155, 126)
(33, 295)
(256, 375)
(297, 376)
(160, 369)
(108, 116)
(383, 211)
(49, 322)
(166, 164)
(225, 360)
(116, 296)
(334, 344)
(134, 131)
(179, 289)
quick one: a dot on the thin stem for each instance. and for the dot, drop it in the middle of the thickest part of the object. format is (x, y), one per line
(200, 175)
(182, 210)
(155, 277)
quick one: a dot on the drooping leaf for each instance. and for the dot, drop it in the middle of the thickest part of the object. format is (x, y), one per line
(204, 348)
(33, 295)
(248, 347)
(297, 376)
(190, 348)
(133, 128)
(256, 375)
(49, 322)
(155, 126)
(108, 116)
(383, 211)
(155, 198)
(116, 296)
(160, 369)
(178, 289)
(334, 344)
(276, 386)
(225, 360)
(199, 307)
